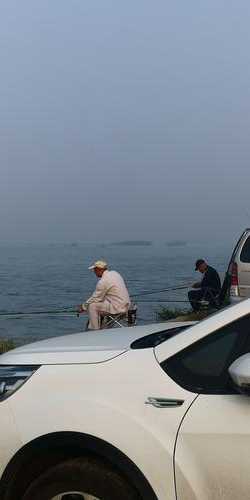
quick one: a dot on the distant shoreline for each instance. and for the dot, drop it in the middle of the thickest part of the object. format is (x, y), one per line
(176, 243)
(132, 243)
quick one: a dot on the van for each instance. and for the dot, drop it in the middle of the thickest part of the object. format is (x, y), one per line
(239, 269)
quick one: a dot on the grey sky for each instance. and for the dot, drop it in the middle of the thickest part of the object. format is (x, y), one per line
(124, 119)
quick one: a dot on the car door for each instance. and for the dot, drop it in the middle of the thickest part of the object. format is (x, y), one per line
(212, 455)
(212, 460)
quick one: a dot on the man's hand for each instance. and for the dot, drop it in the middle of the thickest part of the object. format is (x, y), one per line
(81, 309)
(196, 285)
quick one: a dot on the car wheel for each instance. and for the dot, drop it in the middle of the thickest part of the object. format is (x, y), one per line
(80, 479)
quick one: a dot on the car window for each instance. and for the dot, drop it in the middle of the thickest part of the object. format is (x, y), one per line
(245, 252)
(154, 339)
(236, 248)
(203, 366)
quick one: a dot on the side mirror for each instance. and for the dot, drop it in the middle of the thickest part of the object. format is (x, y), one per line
(239, 372)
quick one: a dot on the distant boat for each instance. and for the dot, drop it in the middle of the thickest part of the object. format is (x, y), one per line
(133, 243)
(176, 243)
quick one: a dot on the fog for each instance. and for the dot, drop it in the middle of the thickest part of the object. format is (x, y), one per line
(124, 120)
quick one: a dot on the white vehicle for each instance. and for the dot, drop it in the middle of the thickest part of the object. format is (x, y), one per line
(239, 269)
(145, 413)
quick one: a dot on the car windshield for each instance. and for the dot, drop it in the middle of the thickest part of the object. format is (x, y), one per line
(154, 339)
(157, 338)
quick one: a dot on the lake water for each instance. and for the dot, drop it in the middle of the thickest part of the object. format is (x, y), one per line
(54, 277)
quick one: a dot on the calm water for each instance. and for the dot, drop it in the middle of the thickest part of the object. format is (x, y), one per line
(53, 277)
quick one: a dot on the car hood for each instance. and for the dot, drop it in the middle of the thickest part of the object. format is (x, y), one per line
(85, 347)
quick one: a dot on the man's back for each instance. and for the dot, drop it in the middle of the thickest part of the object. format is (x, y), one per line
(115, 290)
(211, 279)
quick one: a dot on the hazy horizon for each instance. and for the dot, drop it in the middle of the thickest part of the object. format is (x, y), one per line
(124, 120)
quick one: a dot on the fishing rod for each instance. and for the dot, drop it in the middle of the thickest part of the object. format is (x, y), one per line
(171, 289)
(162, 301)
(66, 311)
(33, 313)
(13, 314)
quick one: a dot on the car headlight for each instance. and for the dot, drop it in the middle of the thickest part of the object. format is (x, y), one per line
(13, 377)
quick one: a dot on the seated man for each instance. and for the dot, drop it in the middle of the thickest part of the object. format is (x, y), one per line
(207, 288)
(110, 296)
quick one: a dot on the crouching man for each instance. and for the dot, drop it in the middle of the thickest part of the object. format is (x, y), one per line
(208, 288)
(110, 296)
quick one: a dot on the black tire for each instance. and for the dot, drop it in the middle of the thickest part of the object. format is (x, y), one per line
(83, 475)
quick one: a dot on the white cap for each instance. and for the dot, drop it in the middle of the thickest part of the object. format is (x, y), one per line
(101, 264)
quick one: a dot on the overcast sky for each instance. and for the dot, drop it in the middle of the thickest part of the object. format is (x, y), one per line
(124, 119)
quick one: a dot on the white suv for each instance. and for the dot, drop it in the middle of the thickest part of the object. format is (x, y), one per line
(145, 413)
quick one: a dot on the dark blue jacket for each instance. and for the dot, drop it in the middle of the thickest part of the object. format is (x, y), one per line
(211, 280)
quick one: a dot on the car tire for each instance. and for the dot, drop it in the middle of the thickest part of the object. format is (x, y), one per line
(83, 479)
